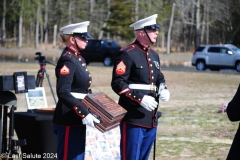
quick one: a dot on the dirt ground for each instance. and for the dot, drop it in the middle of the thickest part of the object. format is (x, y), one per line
(190, 128)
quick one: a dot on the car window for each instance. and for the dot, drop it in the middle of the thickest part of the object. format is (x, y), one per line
(199, 49)
(109, 43)
(92, 44)
(224, 50)
(236, 50)
(214, 49)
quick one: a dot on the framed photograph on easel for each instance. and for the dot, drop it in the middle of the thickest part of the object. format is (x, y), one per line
(36, 98)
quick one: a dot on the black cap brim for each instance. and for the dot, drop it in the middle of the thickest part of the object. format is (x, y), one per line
(86, 35)
(154, 26)
(83, 35)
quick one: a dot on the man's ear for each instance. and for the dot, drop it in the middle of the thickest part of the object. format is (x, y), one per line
(141, 33)
(72, 40)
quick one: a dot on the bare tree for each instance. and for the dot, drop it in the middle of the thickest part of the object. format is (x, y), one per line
(54, 36)
(90, 14)
(3, 24)
(46, 23)
(105, 22)
(37, 26)
(170, 29)
(136, 10)
(197, 24)
(20, 26)
(70, 12)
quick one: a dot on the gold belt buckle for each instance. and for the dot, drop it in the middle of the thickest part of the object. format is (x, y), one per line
(152, 87)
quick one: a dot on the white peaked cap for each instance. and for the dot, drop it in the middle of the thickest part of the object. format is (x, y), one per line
(75, 28)
(144, 22)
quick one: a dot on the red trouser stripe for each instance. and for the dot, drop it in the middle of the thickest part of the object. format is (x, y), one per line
(124, 140)
(65, 149)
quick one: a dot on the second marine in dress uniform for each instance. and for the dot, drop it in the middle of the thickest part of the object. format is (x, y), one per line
(138, 80)
(233, 112)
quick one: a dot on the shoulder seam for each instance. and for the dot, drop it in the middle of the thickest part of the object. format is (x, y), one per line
(129, 48)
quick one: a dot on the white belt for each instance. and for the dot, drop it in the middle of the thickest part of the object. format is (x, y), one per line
(78, 95)
(143, 86)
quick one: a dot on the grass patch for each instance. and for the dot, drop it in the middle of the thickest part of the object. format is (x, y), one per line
(190, 128)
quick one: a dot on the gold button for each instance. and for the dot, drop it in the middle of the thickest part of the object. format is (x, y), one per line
(89, 75)
(150, 65)
(75, 53)
(152, 77)
(147, 53)
(144, 48)
(83, 116)
(79, 59)
(149, 59)
(69, 53)
(152, 71)
(75, 107)
(90, 82)
(139, 99)
(129, 94)
(86, 69)
(134, 96)
(79, 112)
(141, 67)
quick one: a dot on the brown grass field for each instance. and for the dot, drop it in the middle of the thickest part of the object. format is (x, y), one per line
(190, 128)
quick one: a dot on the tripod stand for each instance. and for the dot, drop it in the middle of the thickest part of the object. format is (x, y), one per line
(40, 75)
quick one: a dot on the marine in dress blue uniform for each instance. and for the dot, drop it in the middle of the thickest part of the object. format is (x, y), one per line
(233, 112)
(139, 82)
(73, 83)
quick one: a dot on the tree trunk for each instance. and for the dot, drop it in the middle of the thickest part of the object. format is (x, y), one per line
(149, 6)
(203, 22)
(3, 24)
(207, 31)
(163, 40)
(197, 27)
(136, 10)
(20, 27)
(70, 12)
(105, 23)
(20, 32)
(90, 15)
(37, 27)
(40, 25)
(170, 29)
(54, 35)
(46, 23)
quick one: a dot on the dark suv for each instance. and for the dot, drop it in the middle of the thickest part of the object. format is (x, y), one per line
(100, 51)
(216, 57)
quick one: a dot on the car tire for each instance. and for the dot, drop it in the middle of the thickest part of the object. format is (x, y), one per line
(237, 67)
(107, 61)
(201, 65)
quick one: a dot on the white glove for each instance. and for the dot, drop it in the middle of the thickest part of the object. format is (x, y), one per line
(89, 120)
(164, 95)
(149, 103)
(163, 92)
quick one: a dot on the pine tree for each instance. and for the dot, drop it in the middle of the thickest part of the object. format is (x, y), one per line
(120, 18)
